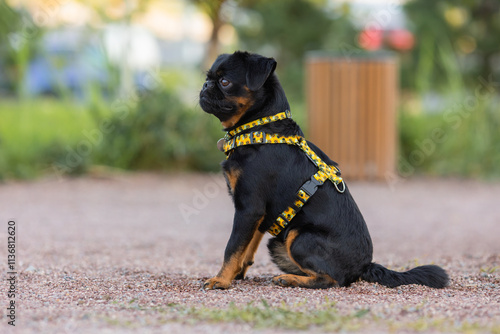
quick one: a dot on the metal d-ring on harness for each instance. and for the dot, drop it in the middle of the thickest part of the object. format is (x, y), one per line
(325, 171)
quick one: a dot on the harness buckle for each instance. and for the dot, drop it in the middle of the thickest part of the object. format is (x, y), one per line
(311, 186)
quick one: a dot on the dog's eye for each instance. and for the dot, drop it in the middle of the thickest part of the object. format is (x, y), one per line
(224, 82)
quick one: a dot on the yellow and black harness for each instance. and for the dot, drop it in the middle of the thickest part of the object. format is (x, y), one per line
(325, 172)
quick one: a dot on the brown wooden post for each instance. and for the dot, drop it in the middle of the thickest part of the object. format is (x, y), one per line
(352, 112)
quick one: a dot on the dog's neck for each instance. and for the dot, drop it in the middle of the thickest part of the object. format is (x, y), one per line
(258, 122)
(271, 101)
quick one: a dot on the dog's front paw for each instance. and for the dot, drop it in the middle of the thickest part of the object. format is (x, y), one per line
(216, 283)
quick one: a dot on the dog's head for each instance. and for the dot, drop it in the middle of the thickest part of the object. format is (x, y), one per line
(235, 86)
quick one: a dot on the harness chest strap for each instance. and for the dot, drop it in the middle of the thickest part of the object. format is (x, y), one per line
(259, 137)
(325, 172)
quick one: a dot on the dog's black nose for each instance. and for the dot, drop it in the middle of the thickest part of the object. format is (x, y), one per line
(208, 84)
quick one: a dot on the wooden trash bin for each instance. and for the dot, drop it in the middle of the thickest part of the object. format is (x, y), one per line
(352, 112)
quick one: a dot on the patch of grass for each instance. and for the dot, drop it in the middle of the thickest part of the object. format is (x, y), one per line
(262, 315)
(323, 317)
(285, 317)
(423, 325)
(489, 270)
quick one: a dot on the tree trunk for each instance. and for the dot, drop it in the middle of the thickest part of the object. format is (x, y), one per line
(213, 43)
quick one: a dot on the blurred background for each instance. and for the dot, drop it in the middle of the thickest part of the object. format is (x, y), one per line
(87, 86)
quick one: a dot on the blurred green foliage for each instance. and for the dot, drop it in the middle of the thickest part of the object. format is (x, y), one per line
(18, 44)
(160, 133)
(287, 30)
(463, 140)
(34, 135)
(457, 41)
(457, 48)
(454, 58)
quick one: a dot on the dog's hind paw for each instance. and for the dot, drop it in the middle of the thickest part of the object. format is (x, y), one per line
(310, 282)
(285, 280)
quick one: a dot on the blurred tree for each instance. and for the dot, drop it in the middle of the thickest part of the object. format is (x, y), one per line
(213, 9)
(285, 30)
(18, 42)
(9, 22)
(456, 41)
(481, 34)
(342, 34)
(289, 28)
(122, 12)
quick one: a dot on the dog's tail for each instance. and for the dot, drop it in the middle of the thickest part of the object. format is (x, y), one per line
(429, 275)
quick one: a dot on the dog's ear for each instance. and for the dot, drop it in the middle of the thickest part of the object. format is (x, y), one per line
(258, 70)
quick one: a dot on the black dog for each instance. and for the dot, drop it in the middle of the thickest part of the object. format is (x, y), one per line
(327, 243)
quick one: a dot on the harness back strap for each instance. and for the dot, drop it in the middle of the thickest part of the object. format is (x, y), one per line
(305, 192)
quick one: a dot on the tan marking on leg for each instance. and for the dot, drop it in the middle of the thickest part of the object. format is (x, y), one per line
(311, 281)
(234, 266)
(232, 177)
(250, 253)
(288, 244)
(280, 257)
(252, 248)
(230, 269)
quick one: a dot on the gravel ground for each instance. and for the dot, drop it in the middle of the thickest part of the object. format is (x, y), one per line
(127, 253)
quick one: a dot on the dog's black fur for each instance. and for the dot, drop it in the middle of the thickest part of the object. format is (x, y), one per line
(327, 243)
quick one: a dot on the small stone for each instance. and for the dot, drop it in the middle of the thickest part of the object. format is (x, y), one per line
(30, 269)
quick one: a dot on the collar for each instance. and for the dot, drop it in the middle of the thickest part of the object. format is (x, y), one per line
(257, 122)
